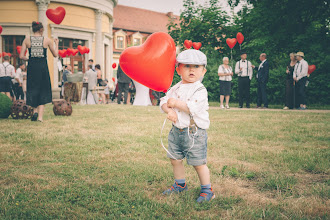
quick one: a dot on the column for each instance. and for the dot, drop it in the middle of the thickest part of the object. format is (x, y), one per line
(42, 8)
(111, 48)
(98, 38)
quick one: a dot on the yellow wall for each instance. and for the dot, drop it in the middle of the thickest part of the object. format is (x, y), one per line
(105, 24)
(18, 11)
(76, 16)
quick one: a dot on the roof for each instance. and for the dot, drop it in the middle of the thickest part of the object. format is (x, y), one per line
(137, 19)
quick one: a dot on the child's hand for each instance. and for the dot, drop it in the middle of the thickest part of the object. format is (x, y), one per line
(171, 102)
(172, 116)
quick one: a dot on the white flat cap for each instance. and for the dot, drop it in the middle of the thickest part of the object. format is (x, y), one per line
(191, 56)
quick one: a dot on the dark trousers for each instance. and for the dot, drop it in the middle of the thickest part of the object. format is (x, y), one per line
(289, 93)
(122, 87)
(244, 91)
(301, 87)
(262, 94)
(18, 90)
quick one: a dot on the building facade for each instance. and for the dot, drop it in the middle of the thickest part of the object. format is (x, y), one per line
(87, 23)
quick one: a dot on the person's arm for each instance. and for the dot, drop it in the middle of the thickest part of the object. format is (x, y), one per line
(17, 76)
(237, 70)
(53, 49)
(250, 70)
(178, 104)
(23, 49)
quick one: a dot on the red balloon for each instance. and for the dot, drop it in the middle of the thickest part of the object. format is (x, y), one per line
(197, 45)
(56, 15)
(62, 53)
(114, 65)
(113, 79)
(69, 51)
(81, 49)
(188, 44)
(74, 52)
(87, 50)
(311, 68)
(9, 54)
(240, 37)
(151, 64)
(0, 29)
(231, 42)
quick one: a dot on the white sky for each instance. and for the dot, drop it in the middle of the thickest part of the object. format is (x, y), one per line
(165, 6)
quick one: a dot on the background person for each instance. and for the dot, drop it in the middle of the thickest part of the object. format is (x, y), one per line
(19, 82)
(244, 71)
(225, 73)
(39, 90)
(300, 77)
(7, 71)
(262, 78)
(289, 93)
(123, 85)
(91, 77)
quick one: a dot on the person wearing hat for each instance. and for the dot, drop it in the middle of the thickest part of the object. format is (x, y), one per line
(186, 105)
(244, 71)
(300, 77)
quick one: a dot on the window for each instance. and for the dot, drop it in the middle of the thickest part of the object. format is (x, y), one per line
(77, 62)
(136, 41)
(120, 42)
(9, 44)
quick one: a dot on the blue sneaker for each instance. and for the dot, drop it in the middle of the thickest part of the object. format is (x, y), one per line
(206, 195)
(176, 188)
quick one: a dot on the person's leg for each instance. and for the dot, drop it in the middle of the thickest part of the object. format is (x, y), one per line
(240, 92)
(178, 169)
(227, 100)
(41, 109)
(264, 94)
(120, 91)
(203, 174)
(221, 100)
(129, 98)
(259, 94)
(303, 93)
(247, 92)
(8, 94)
(126, 88)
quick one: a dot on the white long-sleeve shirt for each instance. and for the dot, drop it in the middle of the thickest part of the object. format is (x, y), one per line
(195, 96)
(19, 76)
(300, 69)
(246, 68)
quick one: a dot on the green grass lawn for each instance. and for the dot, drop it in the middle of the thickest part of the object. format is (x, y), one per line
(106, 161)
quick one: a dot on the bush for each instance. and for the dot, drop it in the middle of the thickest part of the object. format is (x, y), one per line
(5, 106)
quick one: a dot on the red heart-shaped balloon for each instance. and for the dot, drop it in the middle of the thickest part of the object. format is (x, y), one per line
(311, 68)
(56, 15)
(81, 49)
(87, 49)
(114, 65)
(151, 64)
(188, 44)
(0, 29)
(69, 51)
(240, 37)
(113, 79)
(231, 42)
(62, 53)
(74, 52)
(9, 54)
(19, 48)
(197, 45)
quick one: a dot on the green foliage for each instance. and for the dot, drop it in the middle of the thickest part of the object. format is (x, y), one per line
(291, 26)
(5, 106)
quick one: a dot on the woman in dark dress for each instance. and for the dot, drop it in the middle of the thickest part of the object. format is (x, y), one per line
(289, 91)
(39, 90)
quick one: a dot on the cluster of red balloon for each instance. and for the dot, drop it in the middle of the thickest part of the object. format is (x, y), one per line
(231, 42)
(19, 48)
(5, 54)
(0, 29)
(73, 52)
(195, 45)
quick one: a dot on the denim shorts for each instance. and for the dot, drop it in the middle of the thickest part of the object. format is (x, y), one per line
(179, 144)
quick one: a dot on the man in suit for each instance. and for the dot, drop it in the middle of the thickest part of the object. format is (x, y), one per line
(244, 71)
(92, 82)
(262, 78)
(123, 85)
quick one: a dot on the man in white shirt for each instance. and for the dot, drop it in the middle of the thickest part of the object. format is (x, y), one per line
(244, 71)
(300, 77)
(7, 72)
(91, 77)
(19, 82)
